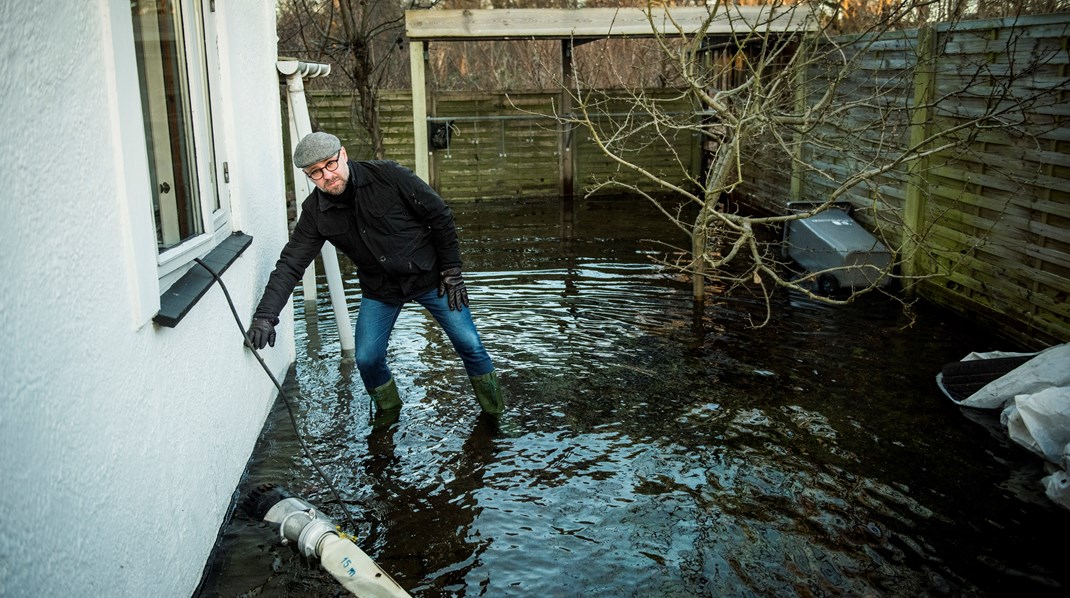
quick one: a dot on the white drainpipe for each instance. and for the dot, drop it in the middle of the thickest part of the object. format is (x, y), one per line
(295, 72)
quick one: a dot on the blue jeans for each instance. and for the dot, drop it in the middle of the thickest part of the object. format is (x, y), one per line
(376, 320)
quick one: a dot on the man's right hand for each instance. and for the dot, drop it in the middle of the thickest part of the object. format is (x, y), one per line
(261, 333)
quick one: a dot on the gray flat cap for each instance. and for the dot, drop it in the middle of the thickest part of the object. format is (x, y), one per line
(316, 147)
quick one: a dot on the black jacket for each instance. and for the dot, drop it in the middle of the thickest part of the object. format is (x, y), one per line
(397, 230)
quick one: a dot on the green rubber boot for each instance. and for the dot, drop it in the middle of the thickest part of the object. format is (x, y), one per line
(489, 393)
(386, 396)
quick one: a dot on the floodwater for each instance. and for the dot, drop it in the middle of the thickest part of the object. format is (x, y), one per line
(646, 452)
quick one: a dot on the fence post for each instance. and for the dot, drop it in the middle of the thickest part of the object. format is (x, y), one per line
(801, 57)
(914, 210)
(565, 143)
(417, 70)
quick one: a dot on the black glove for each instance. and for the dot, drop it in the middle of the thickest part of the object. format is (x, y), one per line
(452, 286)
(261, 332)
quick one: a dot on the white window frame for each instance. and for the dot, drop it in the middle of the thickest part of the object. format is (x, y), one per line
(203, 103)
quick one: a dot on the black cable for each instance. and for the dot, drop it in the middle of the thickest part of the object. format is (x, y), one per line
(286, 400)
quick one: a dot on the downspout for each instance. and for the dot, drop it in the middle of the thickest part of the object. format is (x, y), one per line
(300, 125)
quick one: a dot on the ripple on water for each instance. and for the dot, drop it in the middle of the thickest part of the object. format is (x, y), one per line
(646, 452)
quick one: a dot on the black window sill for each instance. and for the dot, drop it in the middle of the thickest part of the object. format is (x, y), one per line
(178, 300)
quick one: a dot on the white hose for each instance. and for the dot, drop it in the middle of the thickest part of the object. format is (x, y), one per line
(355, 570)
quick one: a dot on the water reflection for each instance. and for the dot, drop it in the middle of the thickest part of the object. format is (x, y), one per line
(650, 450)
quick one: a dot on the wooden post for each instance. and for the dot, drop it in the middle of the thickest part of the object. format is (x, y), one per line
(797, 186)
(433, 161)
(565, 142)
(917, 185)
(417, 51)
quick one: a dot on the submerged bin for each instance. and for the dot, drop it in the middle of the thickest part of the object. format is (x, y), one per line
(835, 242)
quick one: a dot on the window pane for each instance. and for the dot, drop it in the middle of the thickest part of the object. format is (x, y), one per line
(161, 59)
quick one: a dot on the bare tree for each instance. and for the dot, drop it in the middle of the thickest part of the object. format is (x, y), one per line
(360, 38)
(790, 99)
(519, 64)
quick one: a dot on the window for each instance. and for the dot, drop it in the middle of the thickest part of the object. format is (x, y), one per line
(174, 65)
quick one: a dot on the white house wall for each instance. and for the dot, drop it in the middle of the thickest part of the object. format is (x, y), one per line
(121, 442)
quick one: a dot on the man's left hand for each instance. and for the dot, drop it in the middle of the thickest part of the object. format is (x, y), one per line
(452, 286)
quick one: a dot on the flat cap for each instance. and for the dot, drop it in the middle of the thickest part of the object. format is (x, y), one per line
(316, 147)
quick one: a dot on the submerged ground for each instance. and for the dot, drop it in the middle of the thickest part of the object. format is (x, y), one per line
(645, 453)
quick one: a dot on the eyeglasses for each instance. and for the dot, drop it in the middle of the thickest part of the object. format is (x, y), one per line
(331, 165)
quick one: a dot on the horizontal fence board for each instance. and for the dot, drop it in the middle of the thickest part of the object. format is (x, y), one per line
(1048, 207)
(955, 244)
(1048, 231)
(1039, 319)
(1017, 25)
(992, 261)
(1007, 280)
(1050, 258)
(1036, 330)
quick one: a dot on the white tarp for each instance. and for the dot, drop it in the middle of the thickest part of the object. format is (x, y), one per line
(1035, 399)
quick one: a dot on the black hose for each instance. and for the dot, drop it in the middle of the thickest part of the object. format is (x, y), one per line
(285, 399)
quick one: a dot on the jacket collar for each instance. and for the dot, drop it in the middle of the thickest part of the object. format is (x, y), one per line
(357, 178)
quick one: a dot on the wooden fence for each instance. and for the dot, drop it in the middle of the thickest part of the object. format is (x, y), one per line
(508, 144)
(983, 227)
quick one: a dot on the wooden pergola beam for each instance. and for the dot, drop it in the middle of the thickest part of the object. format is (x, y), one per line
(600, 23)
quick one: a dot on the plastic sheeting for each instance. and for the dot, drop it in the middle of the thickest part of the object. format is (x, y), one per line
(1035, 402)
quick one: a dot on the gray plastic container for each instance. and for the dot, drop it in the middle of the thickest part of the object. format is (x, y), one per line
(834, 241)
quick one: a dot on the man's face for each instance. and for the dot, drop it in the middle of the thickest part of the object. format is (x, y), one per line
(328, 180)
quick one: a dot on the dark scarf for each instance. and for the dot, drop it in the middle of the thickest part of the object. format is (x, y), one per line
(348, 195)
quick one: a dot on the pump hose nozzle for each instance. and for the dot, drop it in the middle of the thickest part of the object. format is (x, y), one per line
(262, 498)
(315, 536)
(298, 521)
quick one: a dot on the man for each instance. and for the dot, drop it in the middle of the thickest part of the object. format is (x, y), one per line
(402, 238)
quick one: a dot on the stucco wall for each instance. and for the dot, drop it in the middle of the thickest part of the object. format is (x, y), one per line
(120, 442)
